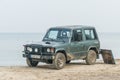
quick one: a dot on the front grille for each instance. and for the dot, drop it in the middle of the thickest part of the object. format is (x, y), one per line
(44, 49)
(41, 50)
(38, 52)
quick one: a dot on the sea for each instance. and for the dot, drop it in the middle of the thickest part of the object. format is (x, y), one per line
(11, 46)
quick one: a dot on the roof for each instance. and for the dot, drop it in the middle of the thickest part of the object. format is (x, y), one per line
(73, 26)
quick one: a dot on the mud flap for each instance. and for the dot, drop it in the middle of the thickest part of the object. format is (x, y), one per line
(107, 56)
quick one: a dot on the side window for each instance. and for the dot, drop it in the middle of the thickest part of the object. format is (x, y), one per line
(77, 35)
(90, 34)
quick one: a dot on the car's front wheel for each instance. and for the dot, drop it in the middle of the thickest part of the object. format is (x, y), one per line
(31, 63)
(91, 57)
(59, 61)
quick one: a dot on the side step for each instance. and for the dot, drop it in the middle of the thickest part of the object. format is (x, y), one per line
(107, 56)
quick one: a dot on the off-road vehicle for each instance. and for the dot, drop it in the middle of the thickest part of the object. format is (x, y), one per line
(62, 44)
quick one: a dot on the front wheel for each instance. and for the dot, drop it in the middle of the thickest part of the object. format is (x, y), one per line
(59, 61)
(91, 57)
(31, 63)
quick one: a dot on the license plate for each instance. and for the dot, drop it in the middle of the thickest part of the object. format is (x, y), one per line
(35, 56)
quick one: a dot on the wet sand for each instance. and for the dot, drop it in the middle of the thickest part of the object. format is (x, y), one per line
(73, 71)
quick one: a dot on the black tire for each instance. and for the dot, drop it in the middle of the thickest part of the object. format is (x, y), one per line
(91, 57)
(31, 63)
(67, 62)
(59, 61)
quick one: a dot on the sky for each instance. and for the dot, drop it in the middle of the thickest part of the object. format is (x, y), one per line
(39, 15)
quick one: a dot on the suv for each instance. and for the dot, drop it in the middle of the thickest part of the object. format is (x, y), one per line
(62, 44)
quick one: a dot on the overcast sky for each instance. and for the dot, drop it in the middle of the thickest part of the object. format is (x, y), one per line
(39, 15)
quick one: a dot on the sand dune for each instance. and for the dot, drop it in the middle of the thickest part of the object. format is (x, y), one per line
(72, 71)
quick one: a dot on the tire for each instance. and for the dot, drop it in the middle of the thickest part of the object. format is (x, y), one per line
(67, 62)
(59, 61)
(31, 63)
(91, 57)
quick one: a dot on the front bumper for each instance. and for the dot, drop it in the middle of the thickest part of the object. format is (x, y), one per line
(42, 57)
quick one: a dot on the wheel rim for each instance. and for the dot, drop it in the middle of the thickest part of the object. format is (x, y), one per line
(60, 62)
(92, 57)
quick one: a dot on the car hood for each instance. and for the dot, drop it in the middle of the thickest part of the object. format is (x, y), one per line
(45, 44)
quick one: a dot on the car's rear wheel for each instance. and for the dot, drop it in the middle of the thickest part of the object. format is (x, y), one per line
(59, 61)
(91, 57)
(31, 63)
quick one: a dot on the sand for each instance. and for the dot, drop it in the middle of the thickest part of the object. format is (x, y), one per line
(72, 71)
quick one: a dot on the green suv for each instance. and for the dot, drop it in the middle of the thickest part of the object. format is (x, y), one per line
(62, 44)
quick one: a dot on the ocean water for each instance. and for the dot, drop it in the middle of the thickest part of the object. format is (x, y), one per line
(11, 46)
(111, 41)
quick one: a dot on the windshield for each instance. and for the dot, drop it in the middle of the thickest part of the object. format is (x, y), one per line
(57, 35)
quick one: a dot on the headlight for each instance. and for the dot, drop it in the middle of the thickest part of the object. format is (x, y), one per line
(36, 49)
(29, 49)
(50, 50)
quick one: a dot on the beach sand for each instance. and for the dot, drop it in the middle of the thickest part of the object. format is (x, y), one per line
(72, 71)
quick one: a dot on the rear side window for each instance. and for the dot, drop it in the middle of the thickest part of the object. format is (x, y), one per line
(90, 34)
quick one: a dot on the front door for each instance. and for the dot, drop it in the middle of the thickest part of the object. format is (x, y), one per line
(77, 46)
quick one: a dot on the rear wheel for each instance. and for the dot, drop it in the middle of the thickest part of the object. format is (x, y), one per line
(59, 61)
(91, 57)
(31, 63)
